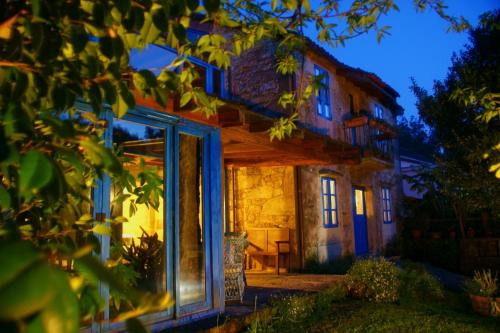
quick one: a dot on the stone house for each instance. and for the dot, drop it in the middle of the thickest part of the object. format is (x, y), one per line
(326, 191)
(337, 204)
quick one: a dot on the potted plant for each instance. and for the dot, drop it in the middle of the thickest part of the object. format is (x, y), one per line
(452, 233)
(416, 233)
(482, 290)
(435, 234)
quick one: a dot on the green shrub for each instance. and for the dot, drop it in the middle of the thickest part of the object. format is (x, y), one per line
(373, 279)
(324, 300)
(416, 282)
(333, 294)
(339, 265)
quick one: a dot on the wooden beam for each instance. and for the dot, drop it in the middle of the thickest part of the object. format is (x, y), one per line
(262, 154)
(258, 126)
(243, 147)
(270, 162)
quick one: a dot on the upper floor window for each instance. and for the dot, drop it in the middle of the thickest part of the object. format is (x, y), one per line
(351, 103)
(386, 204)
(329, 196)
(155, 58)
(379, 112)
(323, 95)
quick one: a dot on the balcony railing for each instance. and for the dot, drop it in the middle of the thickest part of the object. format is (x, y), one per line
(373, 136)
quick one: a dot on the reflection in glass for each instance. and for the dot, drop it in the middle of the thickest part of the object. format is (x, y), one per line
(137, 246)
(191, 223)
(358, 196)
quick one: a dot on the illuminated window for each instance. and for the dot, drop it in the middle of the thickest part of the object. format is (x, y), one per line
(359, 202)
(329, 196)
(386, 205)
(323, 95)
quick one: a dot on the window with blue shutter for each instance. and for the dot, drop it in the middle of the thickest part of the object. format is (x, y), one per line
(329, 199)
(323, 107)
(379, 112)
(386, 205)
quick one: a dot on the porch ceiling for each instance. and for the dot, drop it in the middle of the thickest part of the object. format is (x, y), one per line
(246, 142)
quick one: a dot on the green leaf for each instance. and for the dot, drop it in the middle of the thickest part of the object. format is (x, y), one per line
(160, 20)
(211, 5)
(58, 96)
(106, 46)
(120, 107)
(79, 38)
(134, 325)
(98, 13)
(193, 4)
(123, 6)
(62, 314)
(149, 77)
(30, 292)
(102, 229)
(186, 97)
(15, 257)
(149, 32)
(180, 32)
(35, 172)
(5, 200)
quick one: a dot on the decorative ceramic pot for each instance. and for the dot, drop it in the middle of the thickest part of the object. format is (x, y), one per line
(435, 235)
(416, 233)
(481, 304)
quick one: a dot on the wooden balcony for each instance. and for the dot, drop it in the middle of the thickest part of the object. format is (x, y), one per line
(374, 138)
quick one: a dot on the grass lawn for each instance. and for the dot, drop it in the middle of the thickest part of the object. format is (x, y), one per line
(324, 313)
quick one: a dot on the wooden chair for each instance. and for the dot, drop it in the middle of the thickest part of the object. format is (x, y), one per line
(269, 242)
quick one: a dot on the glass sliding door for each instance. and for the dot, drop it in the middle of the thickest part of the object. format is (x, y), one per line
(193, 265)
(168, 245)
(138, 243)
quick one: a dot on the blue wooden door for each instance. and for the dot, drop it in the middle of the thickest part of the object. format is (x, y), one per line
(360, 221)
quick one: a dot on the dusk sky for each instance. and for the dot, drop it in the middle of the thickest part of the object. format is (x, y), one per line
(418, 47)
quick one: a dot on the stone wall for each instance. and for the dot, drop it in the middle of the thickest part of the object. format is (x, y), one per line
(261, 197)
(253, 77)
(328, 243)
(325, 243)
(265, 197)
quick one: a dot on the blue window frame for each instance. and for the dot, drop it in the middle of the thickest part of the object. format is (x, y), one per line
(329, 202)
(323, 107)
(386, 204)
(156, 57)
(379, 112)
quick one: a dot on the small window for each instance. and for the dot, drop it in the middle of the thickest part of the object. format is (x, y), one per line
(323, 95)
(386, 205)
(379, 112)
(351, 104)
(329, 196)
(211, 79)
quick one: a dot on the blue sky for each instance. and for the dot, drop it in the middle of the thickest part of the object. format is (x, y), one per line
(418, 47)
